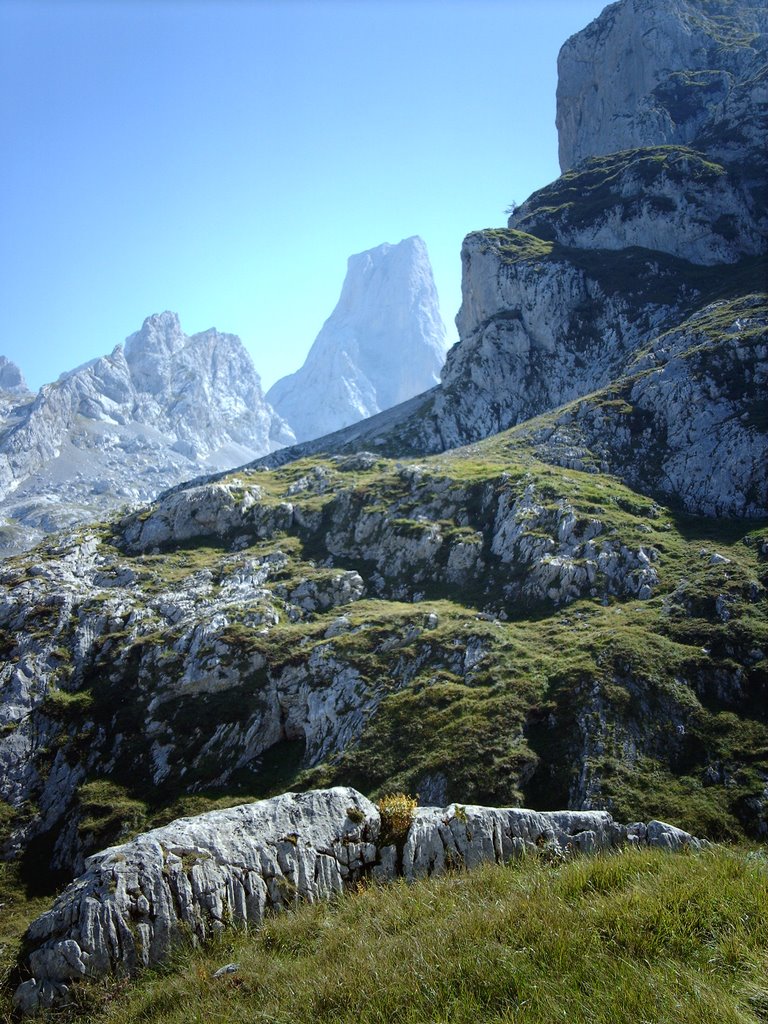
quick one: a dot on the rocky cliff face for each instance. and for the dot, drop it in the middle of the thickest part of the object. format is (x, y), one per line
(120, 429)
(383, 343)
(646, 73)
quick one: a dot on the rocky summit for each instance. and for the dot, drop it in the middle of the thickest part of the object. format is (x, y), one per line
(162, 408)
(542, 583)
(383, 343)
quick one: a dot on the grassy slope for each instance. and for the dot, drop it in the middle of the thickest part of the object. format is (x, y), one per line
(638, 936)
(489, 731)
(521, 700)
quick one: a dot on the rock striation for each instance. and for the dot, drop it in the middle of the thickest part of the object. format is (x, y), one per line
(198, 875)
(383, 343)
(160, 409)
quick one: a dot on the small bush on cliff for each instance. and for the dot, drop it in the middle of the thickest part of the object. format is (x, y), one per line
(396, 812)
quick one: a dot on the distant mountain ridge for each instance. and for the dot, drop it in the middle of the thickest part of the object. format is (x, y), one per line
(383, 343)
(164, 407)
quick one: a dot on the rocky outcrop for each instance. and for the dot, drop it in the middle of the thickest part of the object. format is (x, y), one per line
(687, 421)
(383, 343)
(646, 73)
(665, 198)
(541, 325)
(122, 428)
(198, 875)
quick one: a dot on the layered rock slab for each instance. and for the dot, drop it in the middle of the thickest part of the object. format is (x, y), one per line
(197, 875)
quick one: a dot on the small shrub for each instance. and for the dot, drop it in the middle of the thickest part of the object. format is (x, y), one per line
(396, 812)
(355, 815)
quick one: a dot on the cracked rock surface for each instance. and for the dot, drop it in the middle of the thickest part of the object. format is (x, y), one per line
(198, 875)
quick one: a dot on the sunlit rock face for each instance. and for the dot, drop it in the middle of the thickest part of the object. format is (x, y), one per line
(383, 343)
(646, 73)
(161, 409)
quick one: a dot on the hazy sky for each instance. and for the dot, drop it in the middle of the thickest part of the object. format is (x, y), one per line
(223, 160)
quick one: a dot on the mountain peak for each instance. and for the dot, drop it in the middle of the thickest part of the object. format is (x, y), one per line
(11, 377)
(125, 426)
(383, 343)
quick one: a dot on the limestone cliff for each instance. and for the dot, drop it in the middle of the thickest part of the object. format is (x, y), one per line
(646, 73)
(383, 343)
(479, 625)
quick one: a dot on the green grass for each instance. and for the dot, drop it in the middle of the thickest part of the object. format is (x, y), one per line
(17, 911)
(504, 732)
(628, 937)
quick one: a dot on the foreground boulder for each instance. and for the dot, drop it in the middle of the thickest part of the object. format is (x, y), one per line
(197, 875)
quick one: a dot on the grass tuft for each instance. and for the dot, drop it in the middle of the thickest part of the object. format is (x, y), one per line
(396, 812)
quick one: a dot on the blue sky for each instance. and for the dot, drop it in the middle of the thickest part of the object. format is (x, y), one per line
(224, 159)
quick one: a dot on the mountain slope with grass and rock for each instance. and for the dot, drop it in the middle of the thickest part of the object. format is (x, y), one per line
(543, 583)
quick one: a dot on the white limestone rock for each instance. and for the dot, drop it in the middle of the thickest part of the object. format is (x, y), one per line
(120, 429)
(198, 875)
(383, 343)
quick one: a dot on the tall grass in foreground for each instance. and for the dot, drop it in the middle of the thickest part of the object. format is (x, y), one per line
(639, 936)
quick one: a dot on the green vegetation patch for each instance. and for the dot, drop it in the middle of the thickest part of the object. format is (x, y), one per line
(614, 939)
(583, 195)
(512, 246)
(108, 813)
